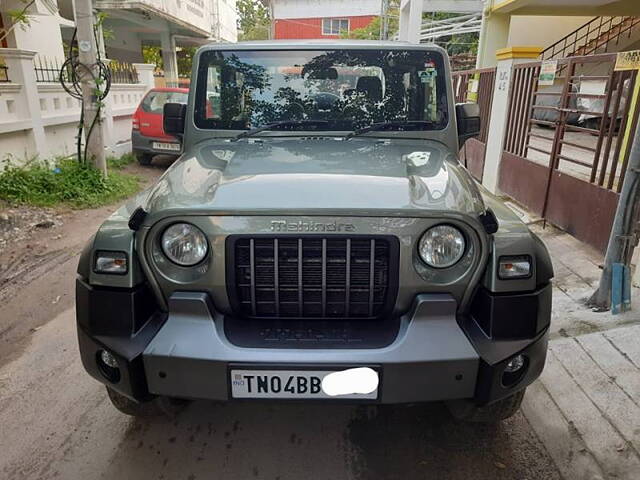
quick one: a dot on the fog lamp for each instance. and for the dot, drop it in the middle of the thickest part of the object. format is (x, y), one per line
(515, 364)
(108, 359)
(108, 366)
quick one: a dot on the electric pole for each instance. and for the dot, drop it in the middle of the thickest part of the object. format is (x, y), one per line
(89, 71)
(622, 239)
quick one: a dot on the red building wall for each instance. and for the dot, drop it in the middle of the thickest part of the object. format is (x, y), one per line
(311, 28)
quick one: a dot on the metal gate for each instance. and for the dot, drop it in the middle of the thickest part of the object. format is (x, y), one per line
(567, 145)
(476, 86)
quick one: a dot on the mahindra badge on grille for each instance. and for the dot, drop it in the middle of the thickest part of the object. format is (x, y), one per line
(310, 226)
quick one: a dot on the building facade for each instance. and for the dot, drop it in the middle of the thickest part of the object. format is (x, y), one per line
(38, 119)
(320, 19)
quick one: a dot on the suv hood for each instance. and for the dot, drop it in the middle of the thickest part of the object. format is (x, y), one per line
(316, 176)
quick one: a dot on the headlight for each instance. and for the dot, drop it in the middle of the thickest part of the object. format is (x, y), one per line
(441, 246)
(184, 244)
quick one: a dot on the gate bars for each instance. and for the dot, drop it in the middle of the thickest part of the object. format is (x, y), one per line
(462, 88)
(597, 162)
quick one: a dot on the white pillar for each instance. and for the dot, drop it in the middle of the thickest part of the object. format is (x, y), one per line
(21, 71)
(494, 35)
(507, 58)
(410, 21)
(169, 58)
(145, 74)
(106, 119)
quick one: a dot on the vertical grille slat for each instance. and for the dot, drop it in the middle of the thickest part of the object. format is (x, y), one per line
(372, 266)
(347, 293)
(276, 275)
(313, 276)
(324, 277)
(252, 267)
(300, 291)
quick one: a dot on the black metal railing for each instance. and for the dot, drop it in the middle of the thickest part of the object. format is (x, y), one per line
(312, 277)
(123, 72)
(4, 74)
(48, 70)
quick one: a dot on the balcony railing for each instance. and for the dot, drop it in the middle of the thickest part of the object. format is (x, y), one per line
(123, 72)
(596, 36)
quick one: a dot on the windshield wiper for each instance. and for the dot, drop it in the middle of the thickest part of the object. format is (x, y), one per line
(275, 125)
(391, 125)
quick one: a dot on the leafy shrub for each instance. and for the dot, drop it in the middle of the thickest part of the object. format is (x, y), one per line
(69, 183)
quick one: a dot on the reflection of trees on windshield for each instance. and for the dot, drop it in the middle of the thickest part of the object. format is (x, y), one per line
(350, 89)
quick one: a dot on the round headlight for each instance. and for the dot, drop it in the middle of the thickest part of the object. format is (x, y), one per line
(441, 246)
(184, 244)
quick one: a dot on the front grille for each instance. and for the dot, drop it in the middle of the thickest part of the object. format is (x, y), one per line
(312, 277)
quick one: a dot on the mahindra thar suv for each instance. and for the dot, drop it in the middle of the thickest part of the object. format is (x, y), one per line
(317, 240)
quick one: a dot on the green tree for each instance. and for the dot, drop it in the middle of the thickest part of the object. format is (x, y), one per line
(152, 55)
(184, 56)
(454, 44)
(254, 22)
(372, 31)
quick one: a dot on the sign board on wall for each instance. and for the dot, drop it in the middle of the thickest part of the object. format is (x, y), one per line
(628, 60)
(548, 72)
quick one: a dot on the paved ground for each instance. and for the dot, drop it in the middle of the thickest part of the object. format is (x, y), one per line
(586, 405)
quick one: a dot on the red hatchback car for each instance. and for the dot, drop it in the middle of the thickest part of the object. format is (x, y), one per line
(147, 136)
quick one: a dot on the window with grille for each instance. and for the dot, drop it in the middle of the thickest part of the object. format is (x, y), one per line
(334, 26)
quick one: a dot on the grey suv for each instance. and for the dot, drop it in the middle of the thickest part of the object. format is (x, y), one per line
(317, 240)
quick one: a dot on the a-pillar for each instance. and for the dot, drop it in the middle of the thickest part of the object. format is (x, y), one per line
(410, 21)
(169, 58)
(507, 58)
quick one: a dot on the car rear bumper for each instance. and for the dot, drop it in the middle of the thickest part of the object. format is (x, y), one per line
(186, 353)
(143, 144)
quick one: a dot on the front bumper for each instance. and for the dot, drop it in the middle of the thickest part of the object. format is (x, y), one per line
(186, 353)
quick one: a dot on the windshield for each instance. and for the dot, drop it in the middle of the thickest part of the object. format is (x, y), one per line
(349, 89)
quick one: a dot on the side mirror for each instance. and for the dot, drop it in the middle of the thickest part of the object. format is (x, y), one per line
(173, 117)
(468, 116)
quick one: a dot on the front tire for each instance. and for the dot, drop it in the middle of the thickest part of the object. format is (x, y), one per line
(466, 411)
(132, 408)
(169, 407)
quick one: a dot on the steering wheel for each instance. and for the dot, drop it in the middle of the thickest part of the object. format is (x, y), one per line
(324, 100)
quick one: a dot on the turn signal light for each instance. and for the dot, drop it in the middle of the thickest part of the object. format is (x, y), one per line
(110, 262)
(511, 268)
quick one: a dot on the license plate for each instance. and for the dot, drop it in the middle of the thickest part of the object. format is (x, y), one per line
(303, 384)
(173, 147)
